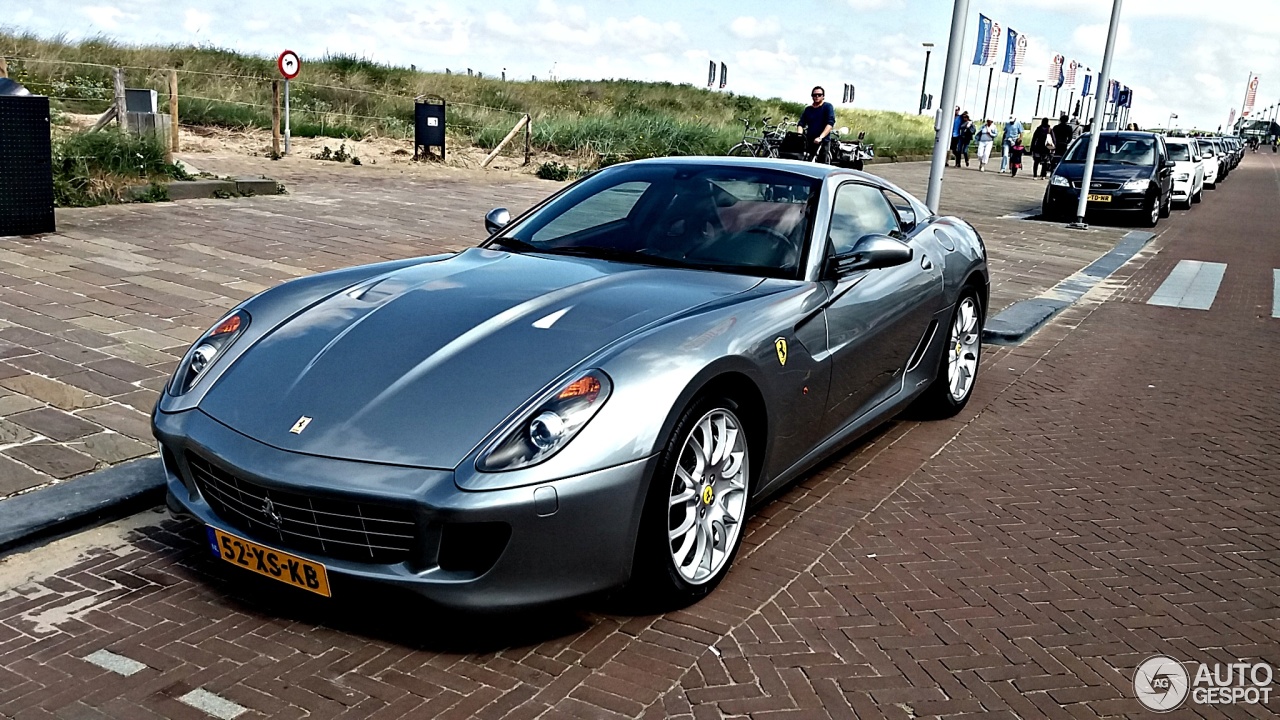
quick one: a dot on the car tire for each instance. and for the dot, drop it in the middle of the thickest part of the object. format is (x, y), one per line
(1167, 207)
(1152, 215)
(957, 372)
(857, 165)
(1197, 197)
(695, 510)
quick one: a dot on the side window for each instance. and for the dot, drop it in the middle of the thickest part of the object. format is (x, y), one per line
(595, 210)
(859, 210)
(906, 212)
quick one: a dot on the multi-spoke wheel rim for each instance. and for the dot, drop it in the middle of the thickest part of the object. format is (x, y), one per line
(708, 496)
(962, 360)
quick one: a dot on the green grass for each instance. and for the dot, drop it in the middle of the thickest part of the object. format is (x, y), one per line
(94, 168)
(349, 97)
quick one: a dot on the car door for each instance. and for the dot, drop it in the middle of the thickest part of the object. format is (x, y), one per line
(876, 317)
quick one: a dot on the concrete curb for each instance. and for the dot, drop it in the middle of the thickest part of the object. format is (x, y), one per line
(1021, 319)
(80, 502)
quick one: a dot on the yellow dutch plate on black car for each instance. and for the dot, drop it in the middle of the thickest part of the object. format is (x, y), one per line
(1099, 197)
(277, 565)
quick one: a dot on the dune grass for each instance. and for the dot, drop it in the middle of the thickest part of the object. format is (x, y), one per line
(349, 97)
(94, 168)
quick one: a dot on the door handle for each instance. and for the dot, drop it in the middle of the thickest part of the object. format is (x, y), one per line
(926, 263)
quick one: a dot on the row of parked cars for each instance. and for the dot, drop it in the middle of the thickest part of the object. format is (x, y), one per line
(1139, 174)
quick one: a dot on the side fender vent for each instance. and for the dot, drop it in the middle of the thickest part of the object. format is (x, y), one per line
(925, 341)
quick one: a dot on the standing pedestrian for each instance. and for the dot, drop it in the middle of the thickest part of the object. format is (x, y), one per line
(817, 120)
(1040, 149)
(986, 138)
(1063, 133)
(964, 136)
(1015, 156)
(1012, 132)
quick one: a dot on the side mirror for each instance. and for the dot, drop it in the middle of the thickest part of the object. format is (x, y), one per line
(862, 135)
(1170, 164)
(496, 219)
(871, 252)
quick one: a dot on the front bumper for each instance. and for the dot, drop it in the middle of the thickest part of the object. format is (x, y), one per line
(1121, 201)
(1181, 190)
(569, 537)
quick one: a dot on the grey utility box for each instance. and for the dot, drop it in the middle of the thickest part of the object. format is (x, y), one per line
(140, 100)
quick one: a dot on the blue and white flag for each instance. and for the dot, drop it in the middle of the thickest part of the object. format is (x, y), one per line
(1088, 83)
(988, 48)
(1015, 51)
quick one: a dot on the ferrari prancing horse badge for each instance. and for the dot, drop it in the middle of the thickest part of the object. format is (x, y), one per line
(781, 346)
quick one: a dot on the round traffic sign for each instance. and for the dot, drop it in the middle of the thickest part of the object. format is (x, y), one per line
(289, 63)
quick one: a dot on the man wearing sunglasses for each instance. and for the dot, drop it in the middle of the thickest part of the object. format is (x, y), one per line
(817, 120)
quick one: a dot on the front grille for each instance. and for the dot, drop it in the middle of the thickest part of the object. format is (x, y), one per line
(341, 529)
(1098, 185)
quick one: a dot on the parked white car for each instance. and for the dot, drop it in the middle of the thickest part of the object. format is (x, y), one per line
(1188, 170)
(1209, 158)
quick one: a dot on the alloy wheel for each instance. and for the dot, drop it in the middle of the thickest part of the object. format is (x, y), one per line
(708, 496)
(962, 358)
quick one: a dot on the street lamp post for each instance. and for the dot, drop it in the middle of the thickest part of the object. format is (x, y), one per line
(1172, 117)
(1039, 87)
(928, 49)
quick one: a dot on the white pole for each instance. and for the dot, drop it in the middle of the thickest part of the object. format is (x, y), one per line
(286, 116)
(942, 123)
(1096, 127)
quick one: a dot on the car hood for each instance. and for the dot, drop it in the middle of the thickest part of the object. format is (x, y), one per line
(1108, 172)
(418, 366)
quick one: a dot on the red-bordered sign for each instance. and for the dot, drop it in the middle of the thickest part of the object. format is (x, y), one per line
(289, 63)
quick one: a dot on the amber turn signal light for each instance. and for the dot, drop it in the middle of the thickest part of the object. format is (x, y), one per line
(587, 387)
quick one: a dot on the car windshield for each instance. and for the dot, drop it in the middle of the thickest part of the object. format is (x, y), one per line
(1206, 148)
(1115, 149)
(728, 218)
(1179, 151)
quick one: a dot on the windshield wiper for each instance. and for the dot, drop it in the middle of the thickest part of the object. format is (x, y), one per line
(616, 254)
(516, 244)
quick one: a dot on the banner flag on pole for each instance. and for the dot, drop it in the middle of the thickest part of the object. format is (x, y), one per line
(988, 48)
(724, 75)
(1088, 83)
(1231, 119)
(1015, 52)
(1127, 94)
(1069, 77)
(711, 74)
(1251, 95)
(1054, 79)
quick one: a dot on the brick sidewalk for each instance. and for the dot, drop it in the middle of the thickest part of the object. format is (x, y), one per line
(94, 318)
(1099, 501)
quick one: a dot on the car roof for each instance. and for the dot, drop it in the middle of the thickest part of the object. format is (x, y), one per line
(817, 171)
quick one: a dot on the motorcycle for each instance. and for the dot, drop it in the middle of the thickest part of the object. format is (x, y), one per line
(851, 153)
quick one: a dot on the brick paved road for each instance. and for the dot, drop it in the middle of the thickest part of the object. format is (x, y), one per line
(94, 318)
(1110, 493)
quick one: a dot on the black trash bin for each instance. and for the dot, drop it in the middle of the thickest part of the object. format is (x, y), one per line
(26, 165)
(428, 126)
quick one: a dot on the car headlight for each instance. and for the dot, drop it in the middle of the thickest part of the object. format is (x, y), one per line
(1136, 185)
(549, 427)
(207, 350)
(1059, 181)
(1183, 177)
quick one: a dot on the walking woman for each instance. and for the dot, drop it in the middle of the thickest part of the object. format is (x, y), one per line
(963, 137)
(1040, 149)
(986, 138)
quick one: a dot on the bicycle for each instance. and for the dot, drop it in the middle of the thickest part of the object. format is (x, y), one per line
(764, 146)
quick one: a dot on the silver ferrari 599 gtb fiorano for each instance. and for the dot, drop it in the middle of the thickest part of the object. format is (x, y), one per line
(591, 399)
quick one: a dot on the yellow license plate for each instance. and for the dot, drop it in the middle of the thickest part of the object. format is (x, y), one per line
(1095, 197)
(277, 565)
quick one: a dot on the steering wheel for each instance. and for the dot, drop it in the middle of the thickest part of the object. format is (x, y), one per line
(777, 252)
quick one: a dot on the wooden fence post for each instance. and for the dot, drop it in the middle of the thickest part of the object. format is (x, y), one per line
(524, 120)
(173, 110)
(119, 99)
(275, 119)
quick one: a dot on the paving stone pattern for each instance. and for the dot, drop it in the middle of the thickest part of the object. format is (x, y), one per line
(94, 318)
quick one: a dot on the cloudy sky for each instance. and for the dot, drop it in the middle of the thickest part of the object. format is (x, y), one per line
(1177, 56)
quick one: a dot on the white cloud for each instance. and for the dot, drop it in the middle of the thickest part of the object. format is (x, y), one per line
(196, 21)
(751, 28)
(1090, 41)
(104, 16)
